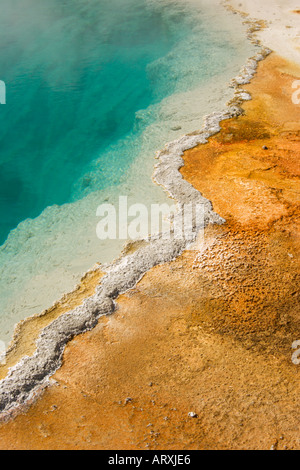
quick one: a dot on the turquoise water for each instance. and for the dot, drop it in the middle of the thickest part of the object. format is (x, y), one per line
(94, 89)
(76, 73)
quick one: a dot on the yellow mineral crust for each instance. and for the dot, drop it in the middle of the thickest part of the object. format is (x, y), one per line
(210, 333)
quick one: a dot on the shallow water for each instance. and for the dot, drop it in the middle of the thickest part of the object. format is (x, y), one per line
(94, 88)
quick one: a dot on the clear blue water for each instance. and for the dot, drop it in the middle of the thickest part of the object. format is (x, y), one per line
(94, 89)
(76, 73)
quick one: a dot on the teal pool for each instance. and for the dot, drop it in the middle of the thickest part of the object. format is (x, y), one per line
(94, 88)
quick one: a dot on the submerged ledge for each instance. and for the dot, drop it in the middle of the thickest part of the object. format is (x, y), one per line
(32, 373)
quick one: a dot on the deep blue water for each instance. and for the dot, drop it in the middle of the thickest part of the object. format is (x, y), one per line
(76, 73)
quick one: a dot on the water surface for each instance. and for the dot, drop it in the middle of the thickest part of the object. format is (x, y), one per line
(94, 89)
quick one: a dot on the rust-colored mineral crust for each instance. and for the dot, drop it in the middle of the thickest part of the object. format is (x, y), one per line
(211, 333)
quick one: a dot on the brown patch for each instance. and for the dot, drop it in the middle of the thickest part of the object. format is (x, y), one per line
(247, 183)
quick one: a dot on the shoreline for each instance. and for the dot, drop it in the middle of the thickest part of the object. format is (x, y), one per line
(31, 374)
(281, 32)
